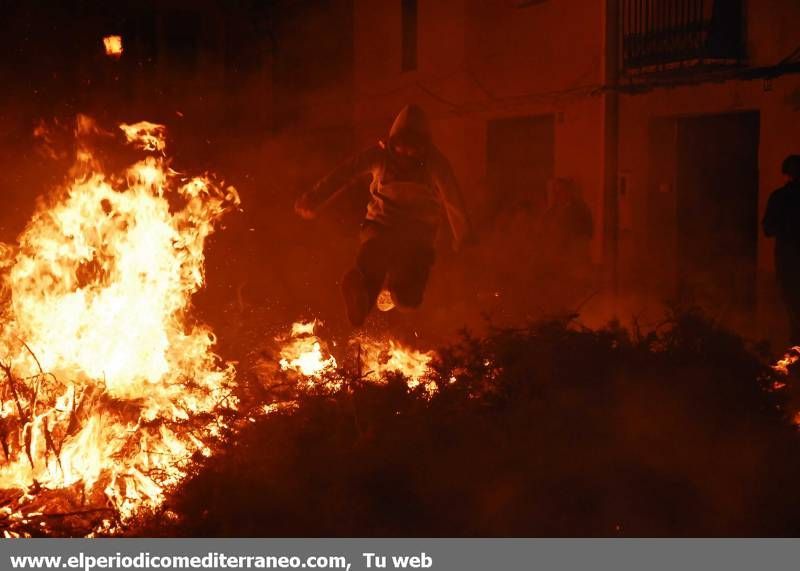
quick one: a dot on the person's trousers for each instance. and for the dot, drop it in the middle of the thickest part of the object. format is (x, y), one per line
(789, 281)
(400, 259)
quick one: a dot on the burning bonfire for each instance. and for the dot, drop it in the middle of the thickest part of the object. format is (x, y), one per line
(109, 387)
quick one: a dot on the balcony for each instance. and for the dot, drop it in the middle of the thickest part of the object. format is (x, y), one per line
(660, 35)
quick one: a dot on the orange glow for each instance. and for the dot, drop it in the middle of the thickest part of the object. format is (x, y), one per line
(382, 358)
(305, 355)
(385, 301)
(302, 353)
(104, 372)
(789, 359)
(145, 135)
(783, 366)
(113, 46)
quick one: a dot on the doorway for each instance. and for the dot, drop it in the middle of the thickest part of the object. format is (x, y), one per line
(717, 213)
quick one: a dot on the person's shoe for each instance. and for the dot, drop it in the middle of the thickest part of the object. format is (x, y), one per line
(356, 299)
(385, 301)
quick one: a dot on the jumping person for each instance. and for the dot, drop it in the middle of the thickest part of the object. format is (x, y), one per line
(413, 187)
(782, 222)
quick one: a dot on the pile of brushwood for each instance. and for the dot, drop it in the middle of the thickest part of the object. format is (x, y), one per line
(551, 429)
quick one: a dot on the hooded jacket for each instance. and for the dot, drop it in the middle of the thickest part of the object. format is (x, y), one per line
(404, 193)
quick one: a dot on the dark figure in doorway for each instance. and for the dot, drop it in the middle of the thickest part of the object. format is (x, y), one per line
(782, 222)
(565, 234)
(567, 223)
(412, 186)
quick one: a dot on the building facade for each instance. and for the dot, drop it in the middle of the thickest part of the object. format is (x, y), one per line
(671, 117)
(701, 140)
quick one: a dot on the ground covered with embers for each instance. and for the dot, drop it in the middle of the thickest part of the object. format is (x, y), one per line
(550, 429)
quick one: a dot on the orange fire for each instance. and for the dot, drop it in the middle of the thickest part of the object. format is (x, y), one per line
(789, 359)
(113, 46)
(108, 385)
(382, 358)
(304, 354)
(783, 367)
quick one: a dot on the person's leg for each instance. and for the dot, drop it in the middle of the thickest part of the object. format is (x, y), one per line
(789, 281)
(409, 272)
(362, 283)
(792, 300)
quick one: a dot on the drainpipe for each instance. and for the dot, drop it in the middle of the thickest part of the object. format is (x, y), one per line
(611, 148)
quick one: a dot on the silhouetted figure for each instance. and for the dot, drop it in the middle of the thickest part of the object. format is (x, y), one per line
(565, 234)
(412, 186)
(782, 222)
(567, 224)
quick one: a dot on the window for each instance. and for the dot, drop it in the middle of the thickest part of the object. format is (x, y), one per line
(658, 33)
(409, 24)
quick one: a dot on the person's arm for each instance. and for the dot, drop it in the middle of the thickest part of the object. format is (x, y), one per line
(311, 202)
(773, 217)
(452, 202)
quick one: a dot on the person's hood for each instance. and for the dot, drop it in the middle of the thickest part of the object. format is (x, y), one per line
(411, 123)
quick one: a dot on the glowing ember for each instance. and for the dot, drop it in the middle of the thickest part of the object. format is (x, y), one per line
(113, 46)
(789, 359)
(108, 385)
(783, 367)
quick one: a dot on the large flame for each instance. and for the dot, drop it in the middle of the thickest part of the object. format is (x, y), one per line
(108, 383)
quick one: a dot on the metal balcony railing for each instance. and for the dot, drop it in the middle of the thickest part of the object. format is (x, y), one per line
(661, 33)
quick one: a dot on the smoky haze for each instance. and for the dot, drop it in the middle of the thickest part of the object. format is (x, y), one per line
(263, 94)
